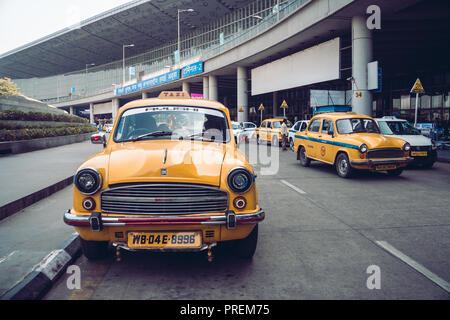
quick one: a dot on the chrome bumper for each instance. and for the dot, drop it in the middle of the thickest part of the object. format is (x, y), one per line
(113, 221)
(384, 161)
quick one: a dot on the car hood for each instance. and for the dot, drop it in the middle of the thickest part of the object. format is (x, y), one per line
(374, 140)
(185, 161)
(414, 140)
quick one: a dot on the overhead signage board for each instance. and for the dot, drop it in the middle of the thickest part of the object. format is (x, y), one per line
(156, 81)
(192, 69)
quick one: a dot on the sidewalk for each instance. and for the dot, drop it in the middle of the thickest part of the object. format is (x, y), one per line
(23, 174)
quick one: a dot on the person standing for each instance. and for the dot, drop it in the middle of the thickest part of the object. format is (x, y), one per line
(284, 134)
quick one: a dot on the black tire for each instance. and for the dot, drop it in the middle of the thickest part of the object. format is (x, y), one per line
(428, 164)
(291, 144)
(304, 160)
(343, 167)
(395, 173)
(245, 248)
(94, 250)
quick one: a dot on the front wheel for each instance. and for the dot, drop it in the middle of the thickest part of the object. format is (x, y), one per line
(94, 250)
(304, 160)
(291, 144)
(343, 168)
(245, 248)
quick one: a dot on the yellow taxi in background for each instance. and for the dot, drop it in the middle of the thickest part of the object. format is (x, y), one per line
(170, 178)
(350, 141)
(270, 131)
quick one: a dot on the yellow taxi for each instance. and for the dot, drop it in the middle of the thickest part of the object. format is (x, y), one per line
(270, 131)
(170, 178)
(350, 141)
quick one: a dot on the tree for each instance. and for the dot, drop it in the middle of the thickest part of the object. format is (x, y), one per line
(7, 87)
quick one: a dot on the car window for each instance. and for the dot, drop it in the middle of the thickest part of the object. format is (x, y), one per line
(249, 125)
(269, 124)
(167, 122)
(303, 127)
(277, 124)
(314, 126)
(356, 125)
(327, 126)
(398, 127)
(385, 128)
(296, 126)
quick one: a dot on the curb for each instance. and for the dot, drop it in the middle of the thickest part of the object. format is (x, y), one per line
(40, 280)
(20, 204)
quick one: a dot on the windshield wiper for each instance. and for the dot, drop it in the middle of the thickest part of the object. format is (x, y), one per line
(200, 135)
(152, 134)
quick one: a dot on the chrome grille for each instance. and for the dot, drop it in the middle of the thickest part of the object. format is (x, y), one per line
(385, 153)
(164, 199)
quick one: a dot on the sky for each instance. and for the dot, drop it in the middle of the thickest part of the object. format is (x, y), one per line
(23, 21)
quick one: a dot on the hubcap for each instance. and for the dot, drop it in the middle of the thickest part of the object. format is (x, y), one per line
(343, 166)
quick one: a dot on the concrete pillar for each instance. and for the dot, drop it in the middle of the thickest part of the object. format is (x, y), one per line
(205, 88)
(91, 112)
(115, 108)
(71, 110)
(213, 90)
(275, 103)
(362, 54)
(186, 87)
(242, 98)
(144, 95)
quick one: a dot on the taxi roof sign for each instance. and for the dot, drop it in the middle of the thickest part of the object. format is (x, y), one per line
(174, 94)
(417, 87)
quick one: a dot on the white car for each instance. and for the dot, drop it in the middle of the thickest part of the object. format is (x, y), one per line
(423, 150)
(298, 126)
(248, 131)
(108, 127)
(237, 129)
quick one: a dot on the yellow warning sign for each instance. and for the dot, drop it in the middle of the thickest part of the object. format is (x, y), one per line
(417, 87)
(241, 109)
(261, 107)
(284, 104)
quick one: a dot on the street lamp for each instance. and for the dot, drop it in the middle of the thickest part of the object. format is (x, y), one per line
(86, 82)
(179, 44)
(123, 59)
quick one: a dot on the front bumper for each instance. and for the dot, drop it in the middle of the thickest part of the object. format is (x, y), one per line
(96, 221)
(371, 163)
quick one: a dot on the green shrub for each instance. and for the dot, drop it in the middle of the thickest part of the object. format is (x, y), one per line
(39, 116)
(35, 133)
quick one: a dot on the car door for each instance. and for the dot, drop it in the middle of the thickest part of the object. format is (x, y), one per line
(327, 149)
(312, 138)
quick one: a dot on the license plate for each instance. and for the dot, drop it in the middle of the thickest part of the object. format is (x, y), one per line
(164, 240)
(386, 167)
(419, 153)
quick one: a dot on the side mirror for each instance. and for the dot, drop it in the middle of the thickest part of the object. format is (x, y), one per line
(99, 138)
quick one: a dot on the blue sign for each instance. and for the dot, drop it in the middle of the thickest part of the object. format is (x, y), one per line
(156, 81)
(192, 69)
(380, 81)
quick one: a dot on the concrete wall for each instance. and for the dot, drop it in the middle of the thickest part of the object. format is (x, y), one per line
(25, 104)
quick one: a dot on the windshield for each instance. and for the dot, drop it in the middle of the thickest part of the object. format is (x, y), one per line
(397, 128)
(235, 126)
(356, 125)
(277, 124)
(172, 122)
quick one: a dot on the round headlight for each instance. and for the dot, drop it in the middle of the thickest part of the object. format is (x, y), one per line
(406, 146)
(88, 180)
(363, 148)
(239, 180)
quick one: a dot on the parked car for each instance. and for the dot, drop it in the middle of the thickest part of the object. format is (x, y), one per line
(350, 142)
(423, 150)
(108, 127)
(169, 179)
(270, 131)
(298, 126)
(248, 132)
(237, 129)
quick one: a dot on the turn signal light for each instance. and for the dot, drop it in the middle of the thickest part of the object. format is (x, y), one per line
(89, 204)
(240, 203)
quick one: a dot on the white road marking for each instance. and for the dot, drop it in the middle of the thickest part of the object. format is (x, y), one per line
(7, 256)
(417, 266)
(293, 187)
